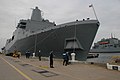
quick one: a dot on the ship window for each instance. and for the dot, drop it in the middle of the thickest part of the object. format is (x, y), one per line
(12, 37)
(23, 23)
(22, 26)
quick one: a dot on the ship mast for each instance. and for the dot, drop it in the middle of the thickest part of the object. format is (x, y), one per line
(36, 15)
(91, 5)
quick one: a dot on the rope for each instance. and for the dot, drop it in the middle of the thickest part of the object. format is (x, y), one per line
(41, 40)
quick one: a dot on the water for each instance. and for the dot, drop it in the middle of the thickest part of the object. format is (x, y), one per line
(103, 57)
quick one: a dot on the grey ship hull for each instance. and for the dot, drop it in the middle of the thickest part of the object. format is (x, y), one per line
(55, 40)
(108, 50)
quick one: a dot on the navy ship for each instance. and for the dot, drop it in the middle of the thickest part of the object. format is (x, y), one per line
(38, 33)
(109, 45)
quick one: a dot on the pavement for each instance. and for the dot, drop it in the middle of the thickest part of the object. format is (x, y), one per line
(39, 70)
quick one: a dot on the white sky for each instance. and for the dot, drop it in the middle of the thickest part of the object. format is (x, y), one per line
(61, 11)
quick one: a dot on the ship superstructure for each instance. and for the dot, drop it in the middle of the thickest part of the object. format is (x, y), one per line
(109, 45)
(39, 34)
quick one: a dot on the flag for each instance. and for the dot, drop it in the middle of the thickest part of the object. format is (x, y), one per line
(90, 5)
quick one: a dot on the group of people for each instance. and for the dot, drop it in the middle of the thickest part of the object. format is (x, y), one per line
(28, 54)
(65, 59)
(51, 56)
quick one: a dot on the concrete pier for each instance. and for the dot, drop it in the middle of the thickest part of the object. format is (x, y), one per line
(39, 70)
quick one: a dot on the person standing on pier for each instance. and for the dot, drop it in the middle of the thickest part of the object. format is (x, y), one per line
(51, 59)
(65, 58)
(26, 54)
(39, 55)
(68, 58)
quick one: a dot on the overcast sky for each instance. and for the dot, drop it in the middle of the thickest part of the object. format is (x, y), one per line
(61, 11)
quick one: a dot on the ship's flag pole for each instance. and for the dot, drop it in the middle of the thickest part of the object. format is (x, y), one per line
(91, 5)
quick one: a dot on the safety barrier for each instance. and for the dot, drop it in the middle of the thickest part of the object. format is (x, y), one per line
(113, 67)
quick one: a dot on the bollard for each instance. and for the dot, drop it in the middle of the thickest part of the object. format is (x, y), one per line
(33, 55)
(109, 66)
(73, 57)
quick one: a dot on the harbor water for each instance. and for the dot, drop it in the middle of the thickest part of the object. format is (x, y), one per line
(103, 57)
